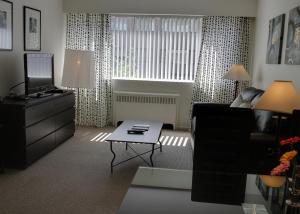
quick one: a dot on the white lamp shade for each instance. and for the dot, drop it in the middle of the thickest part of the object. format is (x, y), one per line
(237, 72)
(281, 96)
(79, 69)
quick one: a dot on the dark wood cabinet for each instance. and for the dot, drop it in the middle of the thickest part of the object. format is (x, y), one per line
(1, 150)
(34, 127)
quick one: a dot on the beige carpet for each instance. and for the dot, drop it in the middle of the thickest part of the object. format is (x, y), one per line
(75, 177)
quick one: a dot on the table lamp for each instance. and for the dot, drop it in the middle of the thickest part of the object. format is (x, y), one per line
(237, 73)
(280, 97)
(78, 72)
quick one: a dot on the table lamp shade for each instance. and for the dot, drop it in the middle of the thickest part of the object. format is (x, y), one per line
(79, 69)
(281, 96)
(237, 72)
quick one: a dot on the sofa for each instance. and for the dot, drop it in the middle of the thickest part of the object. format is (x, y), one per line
(262, 148)
(264, 125)
(230, 141)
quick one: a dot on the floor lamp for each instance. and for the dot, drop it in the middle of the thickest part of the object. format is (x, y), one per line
(237, 73)
(78, 72)
(281, 97)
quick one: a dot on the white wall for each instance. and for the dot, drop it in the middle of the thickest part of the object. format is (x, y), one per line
(11, 62)
(195, 7)
(264, 74)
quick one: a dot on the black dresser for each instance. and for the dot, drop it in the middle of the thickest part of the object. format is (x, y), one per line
(34, 127)
(1, 149)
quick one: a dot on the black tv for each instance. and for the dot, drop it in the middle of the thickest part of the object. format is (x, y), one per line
(39, 72)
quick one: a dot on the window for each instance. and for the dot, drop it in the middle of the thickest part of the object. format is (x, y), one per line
(156, 48)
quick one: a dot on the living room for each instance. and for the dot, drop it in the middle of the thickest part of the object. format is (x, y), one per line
(55, 38)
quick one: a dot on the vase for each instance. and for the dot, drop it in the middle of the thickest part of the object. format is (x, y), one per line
(273, 181)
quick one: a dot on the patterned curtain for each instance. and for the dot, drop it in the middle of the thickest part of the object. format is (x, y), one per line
(92, 32)
(225, 41)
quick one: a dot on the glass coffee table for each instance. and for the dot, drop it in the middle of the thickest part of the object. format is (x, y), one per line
(158, 190)
(150, 136)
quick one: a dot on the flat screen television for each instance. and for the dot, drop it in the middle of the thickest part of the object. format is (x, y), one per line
(39, 72)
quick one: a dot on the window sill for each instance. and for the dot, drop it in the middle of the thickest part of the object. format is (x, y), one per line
(154, 80)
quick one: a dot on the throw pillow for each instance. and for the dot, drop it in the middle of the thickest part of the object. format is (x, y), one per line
(249, 93)
(240, 103)
(255, 100)
(245, 105)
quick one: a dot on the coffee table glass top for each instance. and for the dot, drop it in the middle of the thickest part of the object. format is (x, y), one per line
(160, 190)
(182, 180)
(165, 178)
(151, 136)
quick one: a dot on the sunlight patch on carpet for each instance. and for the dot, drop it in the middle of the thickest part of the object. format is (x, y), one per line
(176, 141)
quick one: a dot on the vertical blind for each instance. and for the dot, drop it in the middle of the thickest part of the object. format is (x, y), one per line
(155, 48)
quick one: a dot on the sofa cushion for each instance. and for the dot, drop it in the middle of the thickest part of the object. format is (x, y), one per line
(246, 98)
(255, 100)
(239, 103)
(249, 93)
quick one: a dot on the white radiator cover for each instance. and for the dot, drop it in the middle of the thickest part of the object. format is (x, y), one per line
(146, 106)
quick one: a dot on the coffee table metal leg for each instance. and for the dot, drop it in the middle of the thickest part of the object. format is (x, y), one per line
(126, 146)
(152, 155)
(112, 161)
(160, 141)
(160, 146)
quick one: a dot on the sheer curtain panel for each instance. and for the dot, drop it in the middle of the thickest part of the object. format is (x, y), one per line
(225, 41)
(93, 32)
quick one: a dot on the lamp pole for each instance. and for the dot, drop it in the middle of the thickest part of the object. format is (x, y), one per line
(78, 104)
(236, 83)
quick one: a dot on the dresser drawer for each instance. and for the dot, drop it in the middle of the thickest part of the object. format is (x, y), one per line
(39, 148)
(64, 118)
(64, 103)
(64, 133)
(37, 113)
(39, 130)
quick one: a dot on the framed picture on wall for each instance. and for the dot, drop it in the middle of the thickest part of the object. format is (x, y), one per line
(274, 48)
(6, 25)
(32, 29)
(292, 51)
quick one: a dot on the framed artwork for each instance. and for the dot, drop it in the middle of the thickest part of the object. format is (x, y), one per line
(32, 29)
(292, 51)
(6, 25)
(274, 48)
